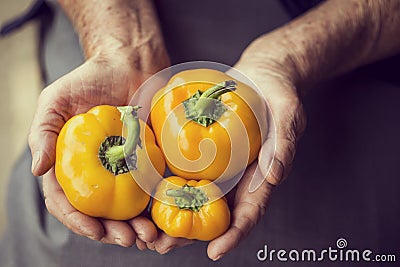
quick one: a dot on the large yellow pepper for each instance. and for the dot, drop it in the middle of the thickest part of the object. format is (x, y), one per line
(208, 125)
(91, 167)
(190, 209)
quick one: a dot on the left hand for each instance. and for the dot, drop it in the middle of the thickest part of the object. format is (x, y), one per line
(100, 80)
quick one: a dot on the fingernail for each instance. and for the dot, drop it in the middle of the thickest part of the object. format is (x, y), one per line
(218, 257)
(119, 242)
(276, 173)
(35, 161)
(169, 249)
(93, 237)
(151, 246)
(141, 237)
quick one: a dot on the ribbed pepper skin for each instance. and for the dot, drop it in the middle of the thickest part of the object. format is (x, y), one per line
(210, 221)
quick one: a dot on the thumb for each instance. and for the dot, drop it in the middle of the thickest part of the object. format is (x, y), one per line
(281, 163)
(287, 122)
(278, 151)
(290, 119)
(46, 125)
(248, 208)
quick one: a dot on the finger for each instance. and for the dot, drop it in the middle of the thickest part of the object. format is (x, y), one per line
(59, 206)
(144, 228)
(118, 233)
(287, 123)
(265, 164)
(276, 168)
(243, 220)
(141, 245)
(277, 152)
(166, 243)
(249, 207)
(46, 125)
(151, 245)
(290, 121)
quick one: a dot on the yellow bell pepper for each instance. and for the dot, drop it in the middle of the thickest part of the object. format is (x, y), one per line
(208, 125)
(91, 166)
(190, 209)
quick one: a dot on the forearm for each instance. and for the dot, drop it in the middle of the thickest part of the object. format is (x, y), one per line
(114, 27)
(335, 37)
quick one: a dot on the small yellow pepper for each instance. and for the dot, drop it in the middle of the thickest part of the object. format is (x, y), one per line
(207, 125)
(91, 166)
(190, 209)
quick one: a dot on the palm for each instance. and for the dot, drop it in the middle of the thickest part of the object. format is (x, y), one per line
(91, 84)
(254, 189)
(94, 83)
(248, 206)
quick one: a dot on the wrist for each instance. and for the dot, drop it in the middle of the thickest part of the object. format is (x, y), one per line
(331, 39)
(264, 59)
(124, 31)
(148, 57)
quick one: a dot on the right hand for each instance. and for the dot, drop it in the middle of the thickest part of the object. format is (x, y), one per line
(100, 80)
(255, 188)
(248, 207)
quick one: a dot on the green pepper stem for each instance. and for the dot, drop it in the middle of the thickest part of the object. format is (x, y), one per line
(180, 193)
(117, 153)
(206, 99)
(188, 197)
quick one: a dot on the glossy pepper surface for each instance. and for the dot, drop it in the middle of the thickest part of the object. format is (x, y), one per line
(207, 124)
(91, 167)
(189, 209)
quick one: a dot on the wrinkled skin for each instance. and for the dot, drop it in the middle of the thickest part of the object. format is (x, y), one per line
(98, 81)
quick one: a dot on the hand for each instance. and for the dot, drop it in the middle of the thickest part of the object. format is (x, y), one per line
(290, 120)
(248, 207)
(99, 80)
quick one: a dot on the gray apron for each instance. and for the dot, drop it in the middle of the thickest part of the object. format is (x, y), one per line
(345, 179)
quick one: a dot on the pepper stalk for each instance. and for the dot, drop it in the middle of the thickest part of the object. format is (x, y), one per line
(117, 154)
(188, 197)
(205, 108)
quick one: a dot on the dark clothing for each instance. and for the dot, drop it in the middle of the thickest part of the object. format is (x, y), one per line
(344, 182)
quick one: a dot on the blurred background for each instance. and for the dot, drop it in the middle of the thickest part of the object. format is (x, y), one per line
(19, 87)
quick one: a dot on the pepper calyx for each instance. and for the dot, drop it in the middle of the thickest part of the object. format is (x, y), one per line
(206, 107)
(118, 154)
(188, 197)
